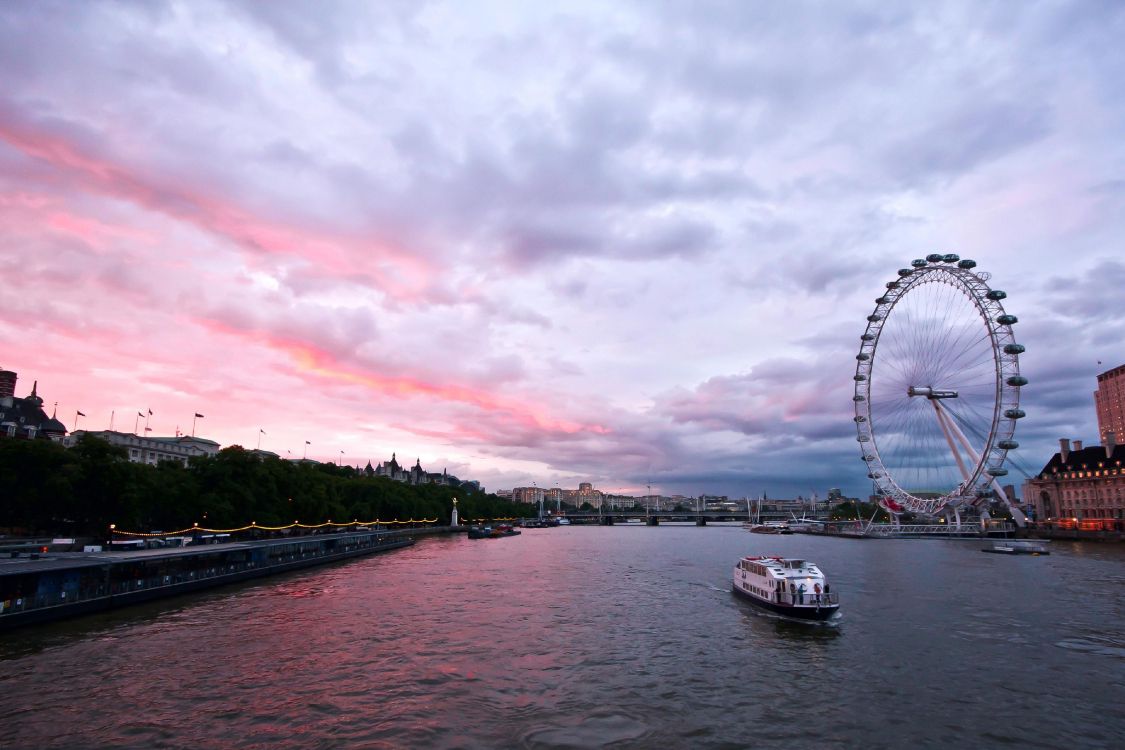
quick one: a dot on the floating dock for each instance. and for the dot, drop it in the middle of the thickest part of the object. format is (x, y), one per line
(40, 587)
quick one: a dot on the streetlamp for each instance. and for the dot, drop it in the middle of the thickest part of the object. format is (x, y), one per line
(109, 546)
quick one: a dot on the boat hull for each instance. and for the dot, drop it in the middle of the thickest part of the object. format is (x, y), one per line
(816, 614)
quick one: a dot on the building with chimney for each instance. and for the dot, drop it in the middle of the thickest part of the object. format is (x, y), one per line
(24, 417)
(1109, 400)
(1080, 486)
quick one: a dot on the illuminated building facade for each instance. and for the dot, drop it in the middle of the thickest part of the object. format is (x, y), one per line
(1110, 402)
(1084, 486)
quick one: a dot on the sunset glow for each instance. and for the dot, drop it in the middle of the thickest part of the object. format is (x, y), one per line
(554, 244)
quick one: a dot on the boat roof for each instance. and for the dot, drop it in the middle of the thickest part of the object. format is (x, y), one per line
(779, 563)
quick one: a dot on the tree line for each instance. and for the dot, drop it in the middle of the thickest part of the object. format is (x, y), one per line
(46, 488)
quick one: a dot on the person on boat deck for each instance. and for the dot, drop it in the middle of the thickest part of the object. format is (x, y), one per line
(816, 592)
(801, 594)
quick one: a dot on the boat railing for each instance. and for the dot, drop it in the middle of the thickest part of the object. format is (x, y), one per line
(824, 599)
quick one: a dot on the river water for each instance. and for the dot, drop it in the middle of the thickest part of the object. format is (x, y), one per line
(588, 636)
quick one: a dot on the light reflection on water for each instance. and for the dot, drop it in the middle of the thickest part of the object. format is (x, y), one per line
(585, 637)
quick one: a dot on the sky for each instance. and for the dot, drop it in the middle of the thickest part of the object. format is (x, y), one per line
(623, 243)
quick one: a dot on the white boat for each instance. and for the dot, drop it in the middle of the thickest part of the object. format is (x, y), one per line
(769, 527)
(1019, 547)
(756, 525)
(787, 586)
(806, 525)
(564, 522)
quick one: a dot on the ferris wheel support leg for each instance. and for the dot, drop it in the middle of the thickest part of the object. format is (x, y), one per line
(1017, 514)
(946, 425)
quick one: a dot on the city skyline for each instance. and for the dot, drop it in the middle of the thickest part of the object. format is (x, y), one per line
(628, 245)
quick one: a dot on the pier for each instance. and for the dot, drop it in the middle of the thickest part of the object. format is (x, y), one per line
(39, 587)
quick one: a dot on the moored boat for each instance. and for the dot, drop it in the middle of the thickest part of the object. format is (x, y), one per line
(791, 587)
(1019, 547)
(770, 527)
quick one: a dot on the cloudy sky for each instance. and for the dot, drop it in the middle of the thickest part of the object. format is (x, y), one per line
(554, 242)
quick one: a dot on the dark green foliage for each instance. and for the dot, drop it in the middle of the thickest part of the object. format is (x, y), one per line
(857, 511)
(48, 489)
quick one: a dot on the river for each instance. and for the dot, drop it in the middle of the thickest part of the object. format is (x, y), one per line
(592, 636)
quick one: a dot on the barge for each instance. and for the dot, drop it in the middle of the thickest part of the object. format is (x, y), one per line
(44, 587)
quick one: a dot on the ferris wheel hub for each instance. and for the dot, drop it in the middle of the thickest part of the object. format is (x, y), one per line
(928, 392)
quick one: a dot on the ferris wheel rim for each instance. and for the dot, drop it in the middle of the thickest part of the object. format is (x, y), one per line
(1007, 382)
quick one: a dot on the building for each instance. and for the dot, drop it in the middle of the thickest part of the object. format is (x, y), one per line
(1080, 485)
(529, 495)
(1109, 400)
(152, 450)
(25, 417)
(414, 475)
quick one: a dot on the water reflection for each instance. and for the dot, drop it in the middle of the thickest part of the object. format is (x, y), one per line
(587, 637)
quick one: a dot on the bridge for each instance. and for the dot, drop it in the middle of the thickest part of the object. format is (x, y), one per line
(858, 529)
(654, 517)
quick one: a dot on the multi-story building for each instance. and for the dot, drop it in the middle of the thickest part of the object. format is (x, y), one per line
(152, 450)
(1081, 485)
(1110, 402)
(530, 495)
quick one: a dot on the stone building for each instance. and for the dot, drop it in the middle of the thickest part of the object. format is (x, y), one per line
(152, 450)
(25, 417)
(1083, 485)
(414, 475)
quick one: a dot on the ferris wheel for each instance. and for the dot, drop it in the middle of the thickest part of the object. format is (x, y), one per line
(937, 388)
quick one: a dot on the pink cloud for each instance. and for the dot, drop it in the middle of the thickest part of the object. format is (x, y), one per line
(400, 274)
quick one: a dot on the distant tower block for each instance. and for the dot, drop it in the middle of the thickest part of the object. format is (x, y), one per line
(453, 518)
(7, 383)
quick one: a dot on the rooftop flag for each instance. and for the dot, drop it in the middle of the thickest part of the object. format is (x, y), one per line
(200, 416)
(81, 414)
(150, 412)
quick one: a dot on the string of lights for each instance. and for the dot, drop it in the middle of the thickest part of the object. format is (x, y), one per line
(253, 525)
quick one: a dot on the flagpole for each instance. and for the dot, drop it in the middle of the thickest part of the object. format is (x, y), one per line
(193, 424)
(306, 454)
(111, 412)
(136, 423)
(260, 433)
(146, 419)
